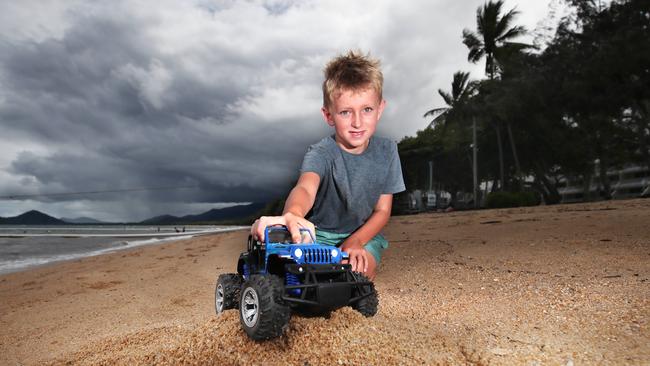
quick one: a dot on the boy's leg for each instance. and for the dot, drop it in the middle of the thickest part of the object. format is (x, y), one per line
(375, 247)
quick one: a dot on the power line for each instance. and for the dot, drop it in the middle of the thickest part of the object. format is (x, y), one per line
(22, 196)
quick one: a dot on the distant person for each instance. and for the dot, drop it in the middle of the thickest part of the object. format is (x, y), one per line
(347, 179)
(183, 228)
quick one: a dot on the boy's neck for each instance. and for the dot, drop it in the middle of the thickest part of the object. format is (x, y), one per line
(358, 150)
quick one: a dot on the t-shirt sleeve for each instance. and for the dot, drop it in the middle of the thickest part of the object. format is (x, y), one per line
(314, 161)
(395, 180)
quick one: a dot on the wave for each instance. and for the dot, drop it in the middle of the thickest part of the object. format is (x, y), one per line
(15, 265)
(50, 234)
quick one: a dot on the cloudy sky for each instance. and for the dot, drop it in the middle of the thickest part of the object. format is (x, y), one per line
(220, 97)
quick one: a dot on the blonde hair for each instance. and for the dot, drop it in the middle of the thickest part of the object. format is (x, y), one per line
(352, 71)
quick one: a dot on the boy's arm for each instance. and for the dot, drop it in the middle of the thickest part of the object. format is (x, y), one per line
(354, 244)
(300, 201)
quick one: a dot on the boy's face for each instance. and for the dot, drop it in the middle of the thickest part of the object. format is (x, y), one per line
(354, 115)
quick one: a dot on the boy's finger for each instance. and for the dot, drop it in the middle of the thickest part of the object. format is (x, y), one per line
(360, 262)
(306, 236)
(353, 262)
(294, 230)
(259, 229)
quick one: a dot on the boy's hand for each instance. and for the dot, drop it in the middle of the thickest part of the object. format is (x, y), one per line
(257, 229)
(293, 223)
(358, 256)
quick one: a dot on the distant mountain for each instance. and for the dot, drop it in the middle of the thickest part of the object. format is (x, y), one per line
(81, 220)
(222, 214)
(32, 217)
(162, 220)
(228, 213)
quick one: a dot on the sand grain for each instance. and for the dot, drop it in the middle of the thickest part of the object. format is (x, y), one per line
(566, 284)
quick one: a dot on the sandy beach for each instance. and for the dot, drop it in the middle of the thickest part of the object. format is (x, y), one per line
(550, 285)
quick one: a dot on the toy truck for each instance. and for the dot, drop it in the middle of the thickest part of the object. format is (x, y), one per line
(276, 277)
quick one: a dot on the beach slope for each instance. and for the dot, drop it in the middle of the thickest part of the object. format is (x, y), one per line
(566, 284)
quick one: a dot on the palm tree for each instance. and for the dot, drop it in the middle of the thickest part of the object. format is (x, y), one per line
(457, 111)
(492, 40)
(461, 90)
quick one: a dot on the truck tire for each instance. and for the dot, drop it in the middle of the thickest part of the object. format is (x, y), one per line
(262, 312)
(367, 305)
(226, 293)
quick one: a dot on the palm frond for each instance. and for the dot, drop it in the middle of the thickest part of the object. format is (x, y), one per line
(475, 55)
(449, 99)
(440, 118)
(471, 39)
(436, 112)
(508, 49)
(487, 19)
(458, 85)
(503, 23)
(513, 32)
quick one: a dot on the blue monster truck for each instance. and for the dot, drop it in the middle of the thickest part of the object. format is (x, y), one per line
(276, 277)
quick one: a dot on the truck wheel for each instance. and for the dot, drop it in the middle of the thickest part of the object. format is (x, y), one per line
(226, 294)
(368, 305)
(262, 313)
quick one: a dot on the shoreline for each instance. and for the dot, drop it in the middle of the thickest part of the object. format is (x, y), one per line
(157, 239)
(536, 285)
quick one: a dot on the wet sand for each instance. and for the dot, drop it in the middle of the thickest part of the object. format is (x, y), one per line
(559, 285)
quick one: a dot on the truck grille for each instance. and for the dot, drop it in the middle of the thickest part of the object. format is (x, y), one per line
(316, 256)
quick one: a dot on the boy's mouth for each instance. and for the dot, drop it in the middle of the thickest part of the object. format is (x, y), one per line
(357, 134)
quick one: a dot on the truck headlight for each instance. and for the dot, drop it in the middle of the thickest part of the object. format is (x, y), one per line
(297, 253)
(334, 253)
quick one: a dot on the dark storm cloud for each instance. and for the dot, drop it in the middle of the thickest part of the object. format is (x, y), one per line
(223, 96)
(88, 91)
(88, 83)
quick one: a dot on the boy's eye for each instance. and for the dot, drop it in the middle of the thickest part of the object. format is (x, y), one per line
(344, 113)
(367, 109)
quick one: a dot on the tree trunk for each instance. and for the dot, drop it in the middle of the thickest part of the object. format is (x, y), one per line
(474, 165)
(516, 157)
(586, 186)
(501, 165)
(547, 188)
(643, 124)
(454, 194)
(604, 179)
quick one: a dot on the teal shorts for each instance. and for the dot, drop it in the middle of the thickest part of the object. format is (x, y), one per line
(375, 246)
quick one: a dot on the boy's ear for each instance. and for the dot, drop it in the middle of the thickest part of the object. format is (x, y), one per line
(381, 107)
(327, 116)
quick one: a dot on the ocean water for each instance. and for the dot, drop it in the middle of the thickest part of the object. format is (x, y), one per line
(24, 247)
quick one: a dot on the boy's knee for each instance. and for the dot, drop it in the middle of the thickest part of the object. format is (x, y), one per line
(372, 267)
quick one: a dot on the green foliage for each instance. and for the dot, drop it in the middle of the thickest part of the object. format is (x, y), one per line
(447, 147)
(512, 199)
(585, 97)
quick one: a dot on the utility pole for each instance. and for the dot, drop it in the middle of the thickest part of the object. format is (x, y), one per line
(430, 176)
(474, 163)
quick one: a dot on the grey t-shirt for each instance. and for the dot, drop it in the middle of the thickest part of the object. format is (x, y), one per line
(350, 185)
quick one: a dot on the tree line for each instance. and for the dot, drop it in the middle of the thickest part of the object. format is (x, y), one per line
(577, 104)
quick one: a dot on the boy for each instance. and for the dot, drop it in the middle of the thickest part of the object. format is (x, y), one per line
(347, 179)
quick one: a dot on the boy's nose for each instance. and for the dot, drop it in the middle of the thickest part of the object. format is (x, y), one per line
(356, 121)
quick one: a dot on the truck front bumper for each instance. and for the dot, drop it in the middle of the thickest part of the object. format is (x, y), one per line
(327, 286)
